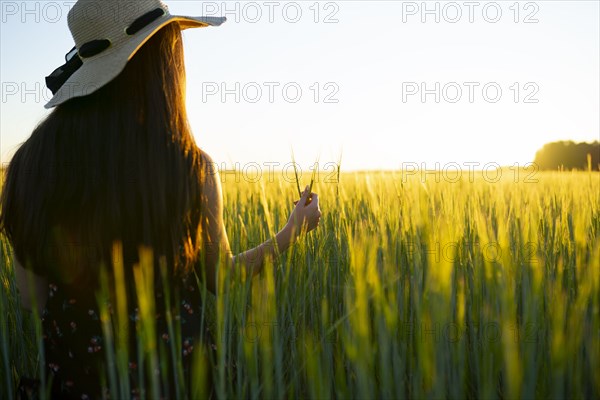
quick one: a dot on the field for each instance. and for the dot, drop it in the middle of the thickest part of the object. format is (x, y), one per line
(409, 288)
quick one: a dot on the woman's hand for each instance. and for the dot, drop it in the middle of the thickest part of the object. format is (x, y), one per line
(306, 214)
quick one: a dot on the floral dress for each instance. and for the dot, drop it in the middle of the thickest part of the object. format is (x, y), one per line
(74, 344)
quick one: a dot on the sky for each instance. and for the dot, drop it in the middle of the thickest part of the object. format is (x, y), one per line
(384, 84)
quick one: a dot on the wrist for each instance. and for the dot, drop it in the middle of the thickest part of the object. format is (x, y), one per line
(287, 236)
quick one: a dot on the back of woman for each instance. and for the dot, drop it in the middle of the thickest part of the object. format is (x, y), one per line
(115, 215)
(116, 167)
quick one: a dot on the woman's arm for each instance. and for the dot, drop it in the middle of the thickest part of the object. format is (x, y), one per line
(304, 218)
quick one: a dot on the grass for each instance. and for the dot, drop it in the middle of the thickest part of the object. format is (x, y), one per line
(408, 289)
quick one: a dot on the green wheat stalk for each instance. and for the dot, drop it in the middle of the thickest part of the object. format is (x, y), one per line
(296, 173)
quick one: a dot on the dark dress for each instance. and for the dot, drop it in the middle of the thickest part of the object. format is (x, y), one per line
(74, 345)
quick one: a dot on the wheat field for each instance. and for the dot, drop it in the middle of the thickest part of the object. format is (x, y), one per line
(409, 288)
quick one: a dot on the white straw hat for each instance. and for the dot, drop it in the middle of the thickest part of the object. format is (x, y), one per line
(107, 34)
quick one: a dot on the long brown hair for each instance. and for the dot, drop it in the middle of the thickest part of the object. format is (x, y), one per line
(119, 164)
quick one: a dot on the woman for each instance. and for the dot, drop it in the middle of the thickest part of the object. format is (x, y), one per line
(116, 163)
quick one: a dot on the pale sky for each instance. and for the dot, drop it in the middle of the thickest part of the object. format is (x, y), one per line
(374, 58)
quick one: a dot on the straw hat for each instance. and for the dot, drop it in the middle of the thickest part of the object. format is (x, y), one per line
(107, 33)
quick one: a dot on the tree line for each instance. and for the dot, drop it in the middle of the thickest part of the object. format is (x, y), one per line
(568, 155)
